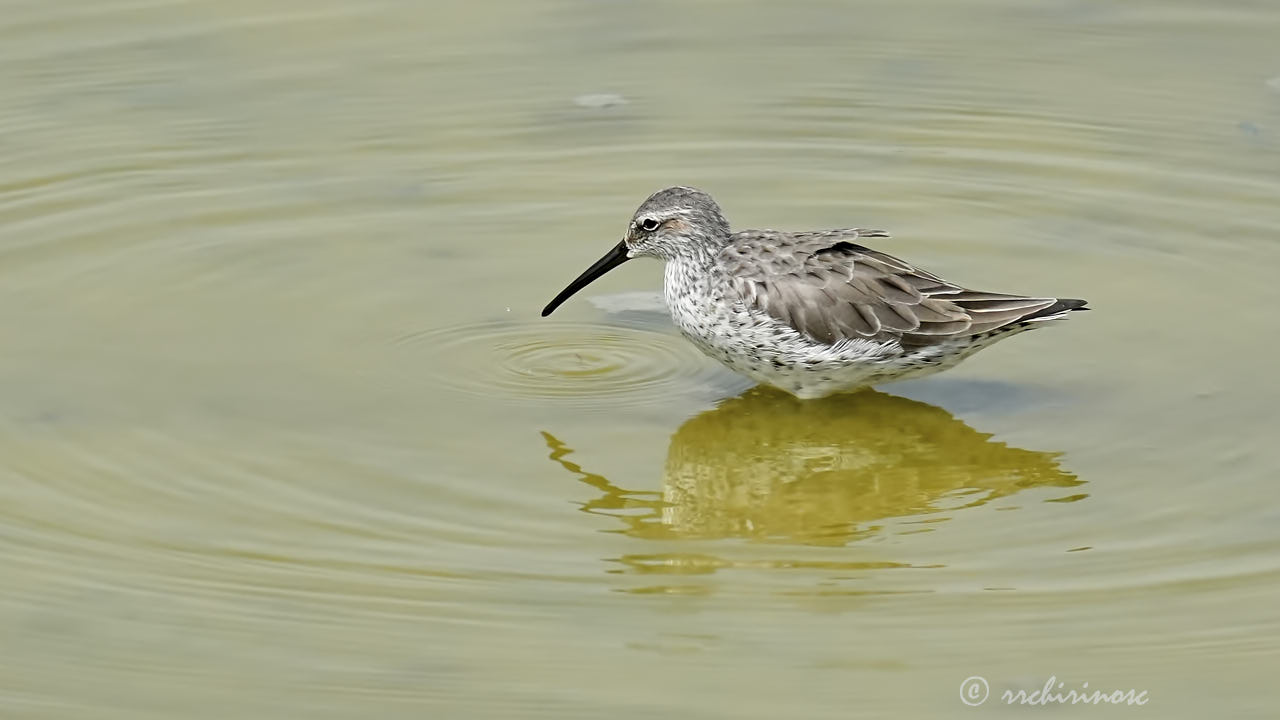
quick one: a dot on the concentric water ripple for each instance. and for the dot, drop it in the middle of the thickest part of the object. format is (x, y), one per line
(579, 363)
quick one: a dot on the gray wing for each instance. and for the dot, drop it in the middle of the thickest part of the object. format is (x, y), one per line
(832, 289)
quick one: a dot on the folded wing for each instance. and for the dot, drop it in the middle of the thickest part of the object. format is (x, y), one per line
(830, 288)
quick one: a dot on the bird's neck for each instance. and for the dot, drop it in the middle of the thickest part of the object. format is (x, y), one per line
(689, 277)
(689, 274)
(701, 250)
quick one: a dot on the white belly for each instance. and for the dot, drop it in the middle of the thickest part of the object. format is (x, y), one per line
(773, 353)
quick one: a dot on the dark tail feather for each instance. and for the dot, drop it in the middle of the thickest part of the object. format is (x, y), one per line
(1063, 305)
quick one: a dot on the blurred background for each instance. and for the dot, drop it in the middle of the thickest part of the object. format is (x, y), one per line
(282, 434)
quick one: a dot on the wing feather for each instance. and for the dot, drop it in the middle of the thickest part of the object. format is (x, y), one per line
(830, 288)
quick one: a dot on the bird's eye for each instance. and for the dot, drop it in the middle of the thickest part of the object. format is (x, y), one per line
(648, 224)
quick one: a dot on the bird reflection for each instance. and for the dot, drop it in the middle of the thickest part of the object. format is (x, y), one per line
(767, 466)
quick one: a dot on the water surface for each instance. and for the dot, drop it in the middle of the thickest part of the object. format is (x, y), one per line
(283, 436)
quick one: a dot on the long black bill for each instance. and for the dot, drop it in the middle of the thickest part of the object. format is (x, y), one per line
(611, 260)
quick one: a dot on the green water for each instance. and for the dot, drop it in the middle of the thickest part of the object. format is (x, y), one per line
(282, 434)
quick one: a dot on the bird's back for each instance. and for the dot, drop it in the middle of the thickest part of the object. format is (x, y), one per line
(830, 288)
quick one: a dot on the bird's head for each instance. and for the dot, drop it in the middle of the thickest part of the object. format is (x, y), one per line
(675, 223)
